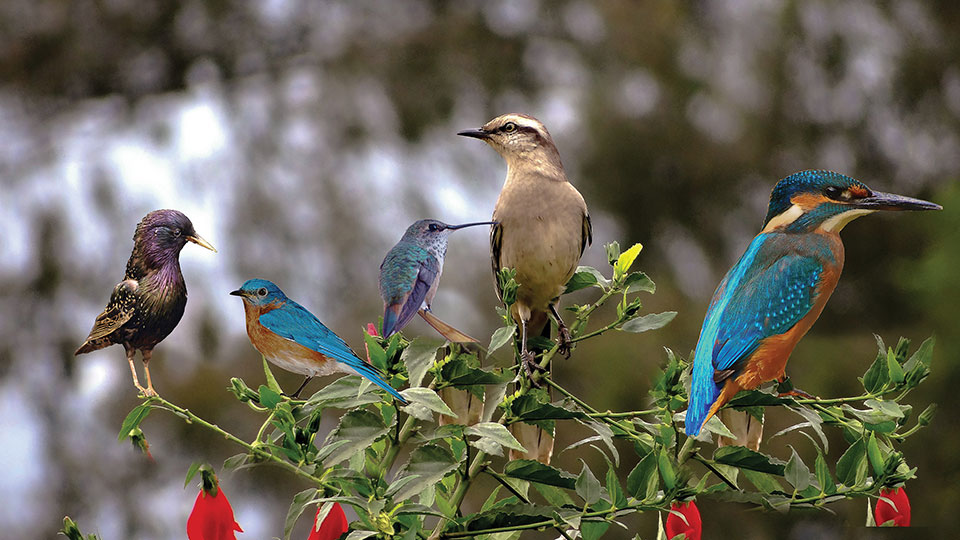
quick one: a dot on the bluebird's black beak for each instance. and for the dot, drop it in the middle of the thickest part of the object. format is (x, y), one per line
(475, 133)
(238, 292)
(879, 200)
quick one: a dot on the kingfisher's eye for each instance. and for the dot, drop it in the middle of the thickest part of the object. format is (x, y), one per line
(509, 127)
(262, 292)
(835, 193)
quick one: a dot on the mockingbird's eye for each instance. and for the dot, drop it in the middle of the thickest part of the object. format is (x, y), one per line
(509, 127)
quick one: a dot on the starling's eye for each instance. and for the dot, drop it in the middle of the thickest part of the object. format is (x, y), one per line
(177, 232)
(262, 292)
(509, 127)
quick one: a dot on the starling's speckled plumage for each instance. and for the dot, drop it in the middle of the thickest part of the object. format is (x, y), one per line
(148, 304)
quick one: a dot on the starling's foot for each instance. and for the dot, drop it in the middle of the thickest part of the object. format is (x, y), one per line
(564, 340)
(531, 366)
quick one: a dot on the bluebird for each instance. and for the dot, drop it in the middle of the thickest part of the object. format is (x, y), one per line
(410, 273)
(779, 287)
(148, 304)
(542, 223)
(292, 338)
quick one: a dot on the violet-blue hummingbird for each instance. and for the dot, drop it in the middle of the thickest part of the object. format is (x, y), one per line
(410, 273)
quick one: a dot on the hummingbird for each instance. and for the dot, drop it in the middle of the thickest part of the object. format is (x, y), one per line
(148, 304)
(410, 273)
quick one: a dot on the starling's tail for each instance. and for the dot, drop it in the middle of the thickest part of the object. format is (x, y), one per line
(92, 345)
(373, 374)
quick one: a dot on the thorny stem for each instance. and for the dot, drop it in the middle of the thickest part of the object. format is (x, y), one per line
(256, 450)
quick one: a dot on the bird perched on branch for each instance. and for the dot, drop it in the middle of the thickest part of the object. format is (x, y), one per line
(292, 338)
(777, 289)
(542, 223)
(148, 304)
(410, 274)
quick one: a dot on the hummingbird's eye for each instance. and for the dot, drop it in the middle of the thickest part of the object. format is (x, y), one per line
(434, 227)
(262, 292)
(509, 127)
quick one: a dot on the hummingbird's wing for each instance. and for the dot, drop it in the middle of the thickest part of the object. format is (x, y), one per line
(400, 309)
(119, 310)
(292, 321)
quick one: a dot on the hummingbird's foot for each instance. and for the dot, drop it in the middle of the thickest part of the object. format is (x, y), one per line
(530, 365)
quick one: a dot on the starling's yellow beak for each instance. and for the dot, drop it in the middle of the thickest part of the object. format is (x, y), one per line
(198, 240)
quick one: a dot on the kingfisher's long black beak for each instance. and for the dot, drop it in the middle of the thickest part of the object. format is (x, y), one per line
(198, 240)
(879, 200)
(478, 133)
(464, 225)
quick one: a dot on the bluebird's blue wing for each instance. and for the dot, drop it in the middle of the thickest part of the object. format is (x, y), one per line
(405, 282)
(292, 321)
(762, 296)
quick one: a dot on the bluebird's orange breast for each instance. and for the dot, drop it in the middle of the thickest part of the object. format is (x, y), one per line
(285, 353)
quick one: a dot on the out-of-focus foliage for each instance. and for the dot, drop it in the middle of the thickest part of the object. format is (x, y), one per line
(301, 137)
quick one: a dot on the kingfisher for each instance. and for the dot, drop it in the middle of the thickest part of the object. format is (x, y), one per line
(410, 273)
(778, 288)
(292, 338)
(149, 303)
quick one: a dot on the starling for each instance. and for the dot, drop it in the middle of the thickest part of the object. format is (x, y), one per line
(148, 304)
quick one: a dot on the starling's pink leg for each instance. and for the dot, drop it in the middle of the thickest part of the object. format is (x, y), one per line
(131, 352)
(149, 391)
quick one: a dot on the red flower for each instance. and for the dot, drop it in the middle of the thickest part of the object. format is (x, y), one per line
(333, 526)
(372, 329)
(885, 512)
(689, 524)
(212, 516)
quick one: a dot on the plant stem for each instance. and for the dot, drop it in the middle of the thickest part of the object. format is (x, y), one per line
(158, 402)
(627, 414)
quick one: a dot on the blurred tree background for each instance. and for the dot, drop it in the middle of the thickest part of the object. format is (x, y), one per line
(302, 137)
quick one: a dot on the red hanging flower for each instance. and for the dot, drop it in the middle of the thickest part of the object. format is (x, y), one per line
(372, 329)
(333, 526)
(885, 512)
(689, 524)
(212, 515)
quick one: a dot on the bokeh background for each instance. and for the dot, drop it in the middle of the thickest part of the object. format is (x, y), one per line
(301, 137)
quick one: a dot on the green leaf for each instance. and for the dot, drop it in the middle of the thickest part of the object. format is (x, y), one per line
(133, 419)
(667, 472)
(191, 472)
(593, 530)
(874, 455)
(509, 516)
(876, 376)
(359, 429)
(501, 336)
(625, 261)
(766, 483)
(756, 398)
(460, 374)
(300, 502)
(744, 458)
(527, 407)
(492, 432)
(587, 485)
(638, 282)
(852, 465)
(268, 398)
(429, 463)
(553, 495)
(423, 400)
(642, 482)
(823, 476)
(581, 279)
(268, 374)
(534, 471)
(651, 321)
(419, 357)
(894, 368)
(378, 356)
(613, 487)
(344, 393)
(796, 472)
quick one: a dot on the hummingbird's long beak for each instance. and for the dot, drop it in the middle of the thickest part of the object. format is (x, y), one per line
(879, 200)
(478, 133)
(464, 225)
(198, 240)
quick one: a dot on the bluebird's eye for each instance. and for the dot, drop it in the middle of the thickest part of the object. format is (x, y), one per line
(262, 292)
(509, 127)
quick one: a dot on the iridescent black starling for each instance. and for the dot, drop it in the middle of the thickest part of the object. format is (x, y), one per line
(148, 304)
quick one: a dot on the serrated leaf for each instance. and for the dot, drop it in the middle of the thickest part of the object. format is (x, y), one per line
(638, 282)
(496, 433)
(625, 260)
(419, 357)
(876, 376)
(344, 393)
(587, 485)
(425, 400)
(460, 374)
(744, 458)
(823, 475)
(580, 280)
(501, 336)
(796, 472)
(429, 463)
(300, 502)
(648, 322)
(613, 487)
(527, 407)
(553, 495)
(851, 467)
(534, 471)
(133, 420)
(643, 480)
(359, 429)
(765, 483)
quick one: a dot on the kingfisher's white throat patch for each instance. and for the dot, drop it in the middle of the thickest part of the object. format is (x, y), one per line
(784, 218)
(839, 221)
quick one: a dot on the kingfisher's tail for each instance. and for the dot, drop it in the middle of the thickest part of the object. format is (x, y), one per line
(703, 394)
(373, 374)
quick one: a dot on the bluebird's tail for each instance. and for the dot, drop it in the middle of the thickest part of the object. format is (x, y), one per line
(373, 374)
